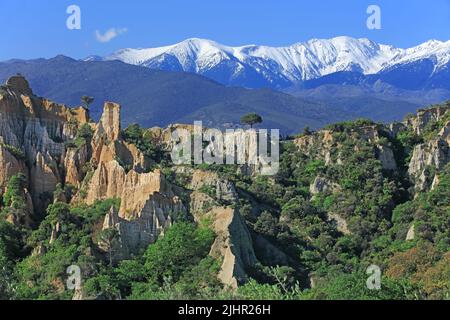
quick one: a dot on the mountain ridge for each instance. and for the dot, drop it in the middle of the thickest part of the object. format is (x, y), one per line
(147, 95)
(280, 67)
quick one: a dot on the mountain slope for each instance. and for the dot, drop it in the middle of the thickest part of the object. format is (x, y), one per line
(152, 97)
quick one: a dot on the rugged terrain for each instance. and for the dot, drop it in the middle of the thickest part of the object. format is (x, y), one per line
(108, 200)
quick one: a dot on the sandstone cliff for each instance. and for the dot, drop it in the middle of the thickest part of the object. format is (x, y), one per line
(431, 156)
(119, 170)
(233, 244)
(32, 135)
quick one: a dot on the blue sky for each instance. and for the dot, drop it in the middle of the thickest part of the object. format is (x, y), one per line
(37, 28)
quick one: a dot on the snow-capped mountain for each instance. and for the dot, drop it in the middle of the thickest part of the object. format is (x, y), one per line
(280, 67)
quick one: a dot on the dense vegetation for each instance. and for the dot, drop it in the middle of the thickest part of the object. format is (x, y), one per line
(325, 259)
(143, 140)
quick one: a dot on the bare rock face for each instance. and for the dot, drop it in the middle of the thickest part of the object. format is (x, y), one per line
(56, 230)
(106, 182)
(33, 137)
(107, 131)
(112, 219)
(411, 233)
(147, 199)
(395, 128)
(341, 223)
(223, 189)
(424, 117)
(433, 154)
(44, 175)
(436, 182)
(148, 202)
(74, 161)
(109, 125)
(22, 216)
(324, 145)
(35, 128)
(9, 166)
(137, 190)
(322, 185)
(270, 254)
(145, 213)
(324, 138)
(107, 144)
(233, 243)
(38, 130)
(248, 157)
(386, 156)
(20, 84)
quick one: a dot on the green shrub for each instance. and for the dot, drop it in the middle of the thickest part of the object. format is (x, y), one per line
(16, 152)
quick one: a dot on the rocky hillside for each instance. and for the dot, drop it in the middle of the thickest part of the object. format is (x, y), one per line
(109, 201)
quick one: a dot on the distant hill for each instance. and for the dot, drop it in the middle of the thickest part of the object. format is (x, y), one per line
(158, 98)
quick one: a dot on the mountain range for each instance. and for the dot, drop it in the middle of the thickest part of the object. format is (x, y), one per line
(308, 84)
(256, 66)
(160, 98)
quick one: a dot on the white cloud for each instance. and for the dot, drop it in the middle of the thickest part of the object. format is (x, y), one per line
(109, 34)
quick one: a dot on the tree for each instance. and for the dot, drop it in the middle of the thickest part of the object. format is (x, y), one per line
(307, 131)
(284, 277)
(251, 119)
(6, 271)
(253, 290)
(102, 286)
(84, 135)
(353, 286)
(85, 132)
(266, 224)
(133, 133)
(109, 237)
(14, 200)
(183, 246)
(86, 100)
(14, 191)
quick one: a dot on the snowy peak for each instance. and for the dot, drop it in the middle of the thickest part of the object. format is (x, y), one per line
(439, 51)
(254, 65)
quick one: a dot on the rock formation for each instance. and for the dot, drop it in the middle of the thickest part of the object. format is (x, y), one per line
(32, 135)
(233, 244)
(433, 154)
(324, 145)
(147, 199)
(36, 139)
(322, 185)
